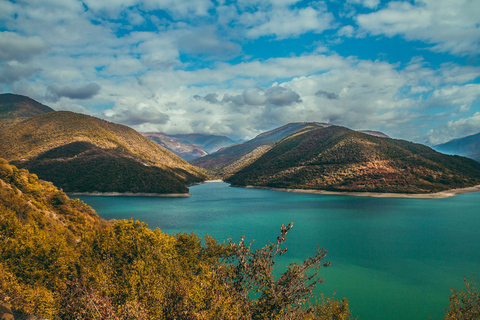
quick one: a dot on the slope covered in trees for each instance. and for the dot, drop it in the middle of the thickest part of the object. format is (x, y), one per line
(339, 159)
(83, 153)
(59, 260)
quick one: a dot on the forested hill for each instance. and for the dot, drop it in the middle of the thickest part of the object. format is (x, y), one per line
(81, 153)
(337, 158)
(14, 108)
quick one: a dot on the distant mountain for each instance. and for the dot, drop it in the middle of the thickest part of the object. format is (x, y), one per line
(467, 146)
(228, 160)
(14, 108)
(80, 153)
(183, 150)
(208, 142)
(340, 159)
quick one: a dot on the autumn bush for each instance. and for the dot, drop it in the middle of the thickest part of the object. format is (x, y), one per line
(59, 260)
(464, 305)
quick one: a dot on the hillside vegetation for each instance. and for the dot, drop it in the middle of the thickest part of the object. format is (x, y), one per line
(339, 159)
(59, 260)
(83, 153)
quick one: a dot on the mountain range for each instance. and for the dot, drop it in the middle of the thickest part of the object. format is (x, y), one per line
(339, 159)
(467, 146)
(229, 159)
(81, 153)
(189, 146)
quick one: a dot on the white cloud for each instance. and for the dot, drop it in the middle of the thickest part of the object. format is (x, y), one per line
(159, 52)
(178, 9)
(366, 3)
(346, 31)
(205, 41)
(186, 70)
(450, 26)
(449, 96)
(12, 71)
(455, 129)
(16, 47)
(283, 22)
(137, 114)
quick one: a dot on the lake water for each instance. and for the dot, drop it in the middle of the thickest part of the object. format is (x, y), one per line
(394, 259)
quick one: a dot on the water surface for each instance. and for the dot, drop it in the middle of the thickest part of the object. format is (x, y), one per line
(392, 258)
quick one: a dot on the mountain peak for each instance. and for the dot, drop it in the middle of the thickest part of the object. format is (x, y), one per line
(15, 107)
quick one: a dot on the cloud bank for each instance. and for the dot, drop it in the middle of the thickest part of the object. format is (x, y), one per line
(238, 68)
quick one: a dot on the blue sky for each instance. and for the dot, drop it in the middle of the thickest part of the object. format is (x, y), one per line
(410, 69)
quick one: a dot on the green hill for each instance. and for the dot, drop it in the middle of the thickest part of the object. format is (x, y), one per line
(81, 153)
(339, 159)
(14, 108)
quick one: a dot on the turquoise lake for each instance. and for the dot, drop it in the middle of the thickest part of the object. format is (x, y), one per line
(392, 258)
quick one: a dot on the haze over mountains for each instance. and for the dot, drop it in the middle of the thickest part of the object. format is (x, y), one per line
(467, 146)
(189, 146)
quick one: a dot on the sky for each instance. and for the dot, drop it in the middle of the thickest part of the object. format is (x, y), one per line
(410, 69)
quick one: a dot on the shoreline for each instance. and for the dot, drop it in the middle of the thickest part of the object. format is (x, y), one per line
(437, 195)
(129, 194)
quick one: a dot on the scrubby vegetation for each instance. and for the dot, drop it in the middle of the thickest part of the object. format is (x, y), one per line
(339, 159)
(464, 305)
(59, 260)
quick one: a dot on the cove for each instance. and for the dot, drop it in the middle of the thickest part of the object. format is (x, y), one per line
(392, 258)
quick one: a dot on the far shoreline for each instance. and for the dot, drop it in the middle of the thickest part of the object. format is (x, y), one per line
(436, 195)
(129, 194)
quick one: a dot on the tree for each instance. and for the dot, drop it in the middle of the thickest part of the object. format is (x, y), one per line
(464, 305)
(251, 274)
